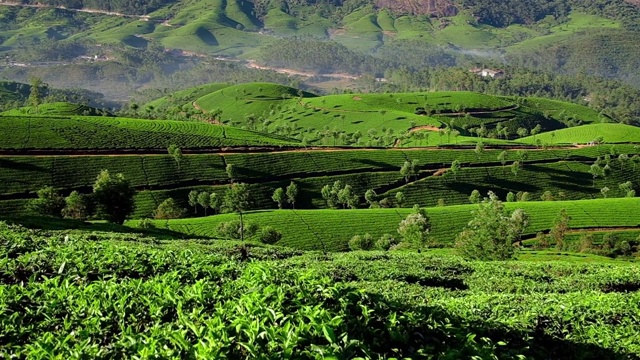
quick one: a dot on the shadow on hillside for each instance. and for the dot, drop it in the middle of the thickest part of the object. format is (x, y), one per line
(10, 164)
(50, 223)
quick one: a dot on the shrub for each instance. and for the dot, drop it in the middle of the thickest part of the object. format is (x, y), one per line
(385, 242)
(232, 229)
(49, 202)
(146, 224)
(169, 209)
(269, 235)
(77, 206)
(492, 231)
(358, 242)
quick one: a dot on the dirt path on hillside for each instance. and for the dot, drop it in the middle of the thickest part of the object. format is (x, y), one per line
(252, 64)
(240, 150)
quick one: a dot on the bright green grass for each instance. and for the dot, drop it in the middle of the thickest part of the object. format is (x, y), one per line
(611, 133)
(332, 229)
(121, 133)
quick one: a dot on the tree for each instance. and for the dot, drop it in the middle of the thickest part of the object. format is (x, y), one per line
(408, 169)
(330, 195)
(361, 242)
(547, 196)
(370, 198)
(596, 171)
(292, 194)
(231, 172)
(455, 168)
(34, 96)
(76, 206)
(511, 197)
(502, 157)
(204, 199)
(278, 197)
(522, 196)
(560, 228)
(474, 198)
(269, 235)
(492, 231)
(347, 197)
(385, 242)
(515, 168)
(169, 209)
(113, 196)
(215, 202)
(627, 189)
(604, 191)
(522, 132)
(400, 198)
(49, 202)
(414, 229)
(236, 199)
(193, 200)
(479, 149)
(175, 152)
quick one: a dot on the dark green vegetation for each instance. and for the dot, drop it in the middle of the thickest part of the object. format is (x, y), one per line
(128, 295)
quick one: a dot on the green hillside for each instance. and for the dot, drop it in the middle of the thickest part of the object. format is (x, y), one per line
(54, 109)
(609, 133)
(121, 133)
(331, 230)
(382, 119)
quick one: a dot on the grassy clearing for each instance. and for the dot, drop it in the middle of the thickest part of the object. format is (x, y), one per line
(332, 229)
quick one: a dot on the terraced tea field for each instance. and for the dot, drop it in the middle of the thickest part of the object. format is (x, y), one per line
(330, 230)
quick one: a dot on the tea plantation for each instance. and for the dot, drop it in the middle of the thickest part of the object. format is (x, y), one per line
(261, 221)
(104, 295)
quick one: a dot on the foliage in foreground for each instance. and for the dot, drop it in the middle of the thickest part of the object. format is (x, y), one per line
(127, 296)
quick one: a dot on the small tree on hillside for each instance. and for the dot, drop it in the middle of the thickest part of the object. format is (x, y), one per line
(49, 202)
(231, 172)
(370, 198)
(455, 168)
(414, 229)
(193, 200)
(474, 198)
(113, 196)
(169, 209)
(400, 199)
(627, 189)
(236, 199)
(35, 97)
(347, 197)
(204, 200)
(479, 149)
(278, 197)
(77, 206)
(515, 168)
(292, 194)
(492, 231)
(408, 169)
(502, 157)
(604, 191)
(215, 202)
(176, 153)
(560, 228)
